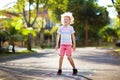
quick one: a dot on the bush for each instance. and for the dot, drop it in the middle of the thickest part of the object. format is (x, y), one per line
(4, 50)
(118, 43)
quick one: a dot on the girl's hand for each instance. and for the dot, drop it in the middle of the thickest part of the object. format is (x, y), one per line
(56, 47)
(74, 47)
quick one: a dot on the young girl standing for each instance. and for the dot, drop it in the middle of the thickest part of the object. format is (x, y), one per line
(67, 41)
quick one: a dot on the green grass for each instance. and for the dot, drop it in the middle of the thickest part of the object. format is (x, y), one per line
(11, 54)
(117, 50)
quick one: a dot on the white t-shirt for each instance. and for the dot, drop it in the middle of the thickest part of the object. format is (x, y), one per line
(65, 33)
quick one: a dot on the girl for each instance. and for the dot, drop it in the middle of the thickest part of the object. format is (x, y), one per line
(67, 41)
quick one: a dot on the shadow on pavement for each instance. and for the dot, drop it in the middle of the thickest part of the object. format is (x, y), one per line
(100, 57)
(42, 74)
(37, 55)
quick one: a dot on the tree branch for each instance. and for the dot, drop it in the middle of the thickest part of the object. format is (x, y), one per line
(24, 15)
(113, 1)
(37, 7)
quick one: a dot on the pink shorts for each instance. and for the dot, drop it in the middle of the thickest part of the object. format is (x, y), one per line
(65, 49)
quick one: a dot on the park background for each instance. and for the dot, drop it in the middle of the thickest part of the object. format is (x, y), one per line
(33, 23)
(28, 35)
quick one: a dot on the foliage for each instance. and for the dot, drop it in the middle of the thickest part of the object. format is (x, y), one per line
(47, 32)
(116, 4)
(88, 10)
(26, 31)
(56, 8)
(11, 29)
(83, 10)
(96, 16)
(2, 38)
(116, 26)
(29, 15)
(108, 33)
(53, 30)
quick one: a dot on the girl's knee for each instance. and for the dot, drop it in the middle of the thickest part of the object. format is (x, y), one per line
(68, 57)
(61, 56)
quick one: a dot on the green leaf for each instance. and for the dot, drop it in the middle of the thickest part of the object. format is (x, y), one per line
(26, 31)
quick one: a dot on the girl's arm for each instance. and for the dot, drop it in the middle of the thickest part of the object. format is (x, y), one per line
(57, 41)
(74, 41)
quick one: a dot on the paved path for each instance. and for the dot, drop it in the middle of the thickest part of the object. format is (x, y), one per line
(92, 63)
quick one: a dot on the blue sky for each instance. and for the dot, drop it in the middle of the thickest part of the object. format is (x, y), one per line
(112, 12)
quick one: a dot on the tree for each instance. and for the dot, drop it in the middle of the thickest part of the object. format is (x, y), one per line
(116, 4)
(108, 33)
(29, 15)
(87, 13)
(116, 26)
(2, 38)
(56, 8)
(12, 32)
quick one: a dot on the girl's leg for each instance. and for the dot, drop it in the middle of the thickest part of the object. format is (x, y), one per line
(62, 52)
(60, 65)
(69, 53)
(61, 61)
(71, 61)
(73, 65)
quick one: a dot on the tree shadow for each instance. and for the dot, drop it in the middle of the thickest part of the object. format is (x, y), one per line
(100, 57)
(43, 74)
(23, 56)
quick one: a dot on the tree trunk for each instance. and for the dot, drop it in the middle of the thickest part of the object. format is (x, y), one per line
(29, 41)
(86, 33)
(0, 44)
(113, 1)
(29, 22)
(41, 37)
(49, 41)
(13, 46)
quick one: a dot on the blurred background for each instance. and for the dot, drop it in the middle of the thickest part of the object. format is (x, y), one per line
(33, 23)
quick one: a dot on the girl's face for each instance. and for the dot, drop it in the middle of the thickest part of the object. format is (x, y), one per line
(66, 20)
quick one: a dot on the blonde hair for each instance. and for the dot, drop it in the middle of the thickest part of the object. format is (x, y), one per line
(68, 14)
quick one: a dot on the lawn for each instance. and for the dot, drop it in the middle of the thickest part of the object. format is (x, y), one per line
(11, 54)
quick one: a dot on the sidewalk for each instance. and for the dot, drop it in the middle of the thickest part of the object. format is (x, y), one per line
(92, 63)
